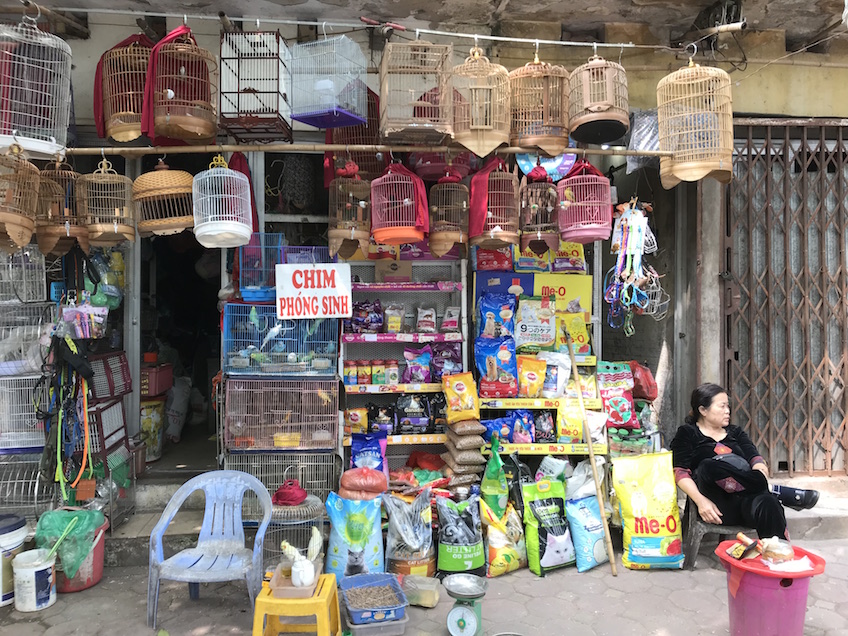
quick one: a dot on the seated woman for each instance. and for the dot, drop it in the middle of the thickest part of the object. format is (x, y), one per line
(719, 468)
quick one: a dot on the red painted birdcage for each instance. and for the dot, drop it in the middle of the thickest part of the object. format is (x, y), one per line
(19, 183)
(398, 207)
(432, 166)
(123, 72)
(57, 225)
(481, 119)
(370, 164)
(585, 205)
(449, 200)
(598, 105)
(494, 212)
(539, 203)
(539, 105)
(350, 216)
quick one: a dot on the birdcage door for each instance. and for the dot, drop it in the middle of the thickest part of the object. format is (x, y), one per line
(787, 285)
(482, 107)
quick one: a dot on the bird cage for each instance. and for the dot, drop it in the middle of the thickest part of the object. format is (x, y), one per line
(695, 117)
(222, 206)
(184, 88)
(298, 525)
(398, 207)
(123, 71)
(432, 166)
(585, 205)
(598, 109)
(23, 279)
(258, 262)
(350, 216)
(24, 490)
(448, 201)
(25, 330)
(494, 212)
(163, 201)
(57, 224)
(481, 109)
(104, 201)
(328, 83)
(539, 203)
(371, 165)
(19, 181)
(539, 106)
(255, 86)
(35, 90)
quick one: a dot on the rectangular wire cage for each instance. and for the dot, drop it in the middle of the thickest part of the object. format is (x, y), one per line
(255, 86)
(23, 491)
(19, 426)
(108, 436)
(279, 414)
(24, 336)
(257, 264)
(306, 255)
(255, 342)
(23, 276)
(111, 376)
(328, 83)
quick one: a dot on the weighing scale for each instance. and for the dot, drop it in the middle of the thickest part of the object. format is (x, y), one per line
(468, 590)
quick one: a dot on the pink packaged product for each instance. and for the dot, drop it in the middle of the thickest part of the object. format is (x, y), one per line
(499, 260)
(417, 370)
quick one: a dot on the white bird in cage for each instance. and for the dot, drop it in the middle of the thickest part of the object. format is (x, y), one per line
(169, 94)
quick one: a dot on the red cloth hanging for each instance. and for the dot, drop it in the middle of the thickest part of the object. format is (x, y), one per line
(422, 211)
(147, 111)
(138, 38)
(329, 164)
(580, 167)
(480, 196)
(451, 176)
(238, 162)
(539, 175)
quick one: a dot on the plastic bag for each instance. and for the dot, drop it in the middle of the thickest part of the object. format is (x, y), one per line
(176, 406)
(531, 376)
(460, 536)
(417, 370)
(421, 590)
(356, 540)
(644, 135)
(581, 483)
(644, 385)
(369, 450)
(412, 414)
(507, 551)
(493, 488)
(461, 394)
(584, 516)
(557, 372)
(366, 479)
(447, 359)
(549, 544)
(615, 385)
(80, 540)
(409, 543)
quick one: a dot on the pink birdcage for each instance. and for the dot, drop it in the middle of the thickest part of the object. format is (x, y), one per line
(398, 207)
(585, 205)
(538, 199)
(494, 212)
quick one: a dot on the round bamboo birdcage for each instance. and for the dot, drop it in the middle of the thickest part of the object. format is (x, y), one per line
(19, 182)
(448, 217)
(57, 225)
(695, 118)
(124, 72)
(539, 106)
(598, 106)
(371, 165)
(500, 227)
(585, 205)
(163, 201)
(104, 200)
(394, 208)
(350, 216)
(539, 204)
(481, 113)
(185, 92)
(223, 215)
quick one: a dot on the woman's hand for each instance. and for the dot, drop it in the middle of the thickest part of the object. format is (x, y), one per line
(709, 511)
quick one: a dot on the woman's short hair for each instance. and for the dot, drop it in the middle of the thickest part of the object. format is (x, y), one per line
(702, 396)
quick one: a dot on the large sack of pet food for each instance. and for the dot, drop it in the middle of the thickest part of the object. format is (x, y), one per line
(584, 517)
(647, 496)
(356, 539)
(409, 545)
(549, 544)
(460, 536)
(505, 540)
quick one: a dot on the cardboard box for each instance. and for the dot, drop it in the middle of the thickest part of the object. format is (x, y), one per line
(393, 271)
(573, 291)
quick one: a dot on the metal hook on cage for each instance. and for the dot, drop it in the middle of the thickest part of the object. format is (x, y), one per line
(185, 20)
(417, 34)
(620, 54)
(536, 53)
(595, 49)
(30, 5)
(324, 29)
(694, 51)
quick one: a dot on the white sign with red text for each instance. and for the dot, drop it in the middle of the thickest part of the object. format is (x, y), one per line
(313, 291)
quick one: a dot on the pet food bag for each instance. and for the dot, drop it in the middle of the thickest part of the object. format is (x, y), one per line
(557, 372)
(535, 324)
(531, 376)
(522, 426)
(505, 540)
(496, 317)
(461, 394)
(496, 366)
(356, 540)
(493, 487)
(409, 543)
(413, 418)
(647, 499)
(549, 544)
(460, 536)
(615, 384)
(584, 516)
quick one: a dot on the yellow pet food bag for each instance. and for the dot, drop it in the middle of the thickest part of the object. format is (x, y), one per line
(461, 395)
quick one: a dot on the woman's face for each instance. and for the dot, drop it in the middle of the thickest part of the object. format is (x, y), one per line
(718, 414)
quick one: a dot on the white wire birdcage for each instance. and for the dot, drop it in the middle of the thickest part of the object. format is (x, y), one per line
(585, 205)
(222, 208)
(57, 224)
(350, 216)
(124, 71)
(481, 109)
(394, 209)
(23, 276)
(255, 86)
(409, 70)
(104, 200)
(19, 181)
(695, 118)
(162, 199)
(539, 106)
(23, 490)
(20, 428)
(448, 217)
(598, 104)
(35, 89)
(328, 83)
(258, 261)
(25, 330)
(293, 524)
(500, 226)
(539, 204)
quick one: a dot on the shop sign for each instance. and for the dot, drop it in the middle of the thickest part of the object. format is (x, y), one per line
(314, 291)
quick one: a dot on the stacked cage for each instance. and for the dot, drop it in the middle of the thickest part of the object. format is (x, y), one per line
(279, 403)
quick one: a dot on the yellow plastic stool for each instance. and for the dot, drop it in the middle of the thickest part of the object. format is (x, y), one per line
(324, 606)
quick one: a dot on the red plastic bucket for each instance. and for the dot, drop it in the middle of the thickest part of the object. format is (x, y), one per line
(91, 570)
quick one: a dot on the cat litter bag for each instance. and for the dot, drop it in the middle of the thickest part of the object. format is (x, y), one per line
(356, 539)
(409, 543)
(584, 517)
(496, 316)
(369, 451)
(460, 536)
(548, 536)
(647, 499)
(506, 550)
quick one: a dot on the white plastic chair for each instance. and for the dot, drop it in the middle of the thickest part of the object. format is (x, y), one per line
(220, 554)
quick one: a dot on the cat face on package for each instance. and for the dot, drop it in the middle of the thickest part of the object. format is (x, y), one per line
(556, 545)
(355, 563)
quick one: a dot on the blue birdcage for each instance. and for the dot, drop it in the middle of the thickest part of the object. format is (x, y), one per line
(307, 255)
(257, 263)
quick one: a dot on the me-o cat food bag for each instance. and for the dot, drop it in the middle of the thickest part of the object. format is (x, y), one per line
(546, 530)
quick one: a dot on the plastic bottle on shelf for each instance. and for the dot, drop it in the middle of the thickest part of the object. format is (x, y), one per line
(392, 372)
(363, 372)
(378, 372)
(350, 373)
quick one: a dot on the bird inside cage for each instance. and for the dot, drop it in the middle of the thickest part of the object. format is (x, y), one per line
(539, 203)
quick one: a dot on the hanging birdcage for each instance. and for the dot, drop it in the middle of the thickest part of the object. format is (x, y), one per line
(123, 73)
(539, 204)
(585, 205)
(185, 94)
(19, 184)
(350, 216)
(481, 111)
(104, 201)
(163, 201)
(328, 83)
(448, 215)
(370, 164)
(35, 90)
(407, 70)
(432, 166)
(695, 117)
(57, 225)
(539, 106)
(255, 86)
(598, 107)
(222, 206)
(398, 207)
(494, 212)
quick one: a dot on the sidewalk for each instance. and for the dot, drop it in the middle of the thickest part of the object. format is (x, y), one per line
(653, 603)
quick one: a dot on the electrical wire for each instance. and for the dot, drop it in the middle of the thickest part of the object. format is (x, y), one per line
(788, 55)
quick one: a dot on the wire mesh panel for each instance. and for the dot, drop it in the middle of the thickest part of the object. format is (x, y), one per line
(255, 342)
(22, 489)
(57, 224)
(539, 106)
(448, 217)
(124, 71)
(306, 254)
(24, 336)
(394, 209)
(108, 437)
(539, 207)
(104, 200)
(407, 71)
(350, 216)
(111, 376)
(598, 104)
(370, 164)
(695, 117)
(500, 226)
(481, 110)
(35, 89)
(328, 83)
(222, 208)
(257, 264)
(163, 201)
(279, 414)
(255, 86)
(585, 205)
(19, 181)
(19, 426)
(23, 277)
